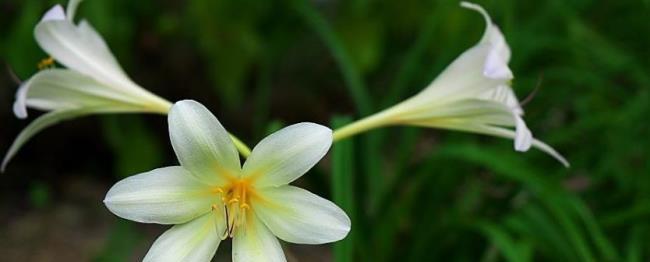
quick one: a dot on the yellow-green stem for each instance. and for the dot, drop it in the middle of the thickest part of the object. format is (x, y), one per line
(359, 126)
(243, 149)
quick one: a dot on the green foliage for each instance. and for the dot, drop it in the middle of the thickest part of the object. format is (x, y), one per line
(413, 194)
(343, 189)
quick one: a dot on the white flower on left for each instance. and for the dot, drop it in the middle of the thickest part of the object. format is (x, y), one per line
(211, 197)
(92, 82)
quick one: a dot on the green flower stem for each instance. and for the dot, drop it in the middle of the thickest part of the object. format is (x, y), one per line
(373, 121)
(243, 149)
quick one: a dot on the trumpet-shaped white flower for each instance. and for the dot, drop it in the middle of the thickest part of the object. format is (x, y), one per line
(211, 197)
(472, 94)
(93, 81)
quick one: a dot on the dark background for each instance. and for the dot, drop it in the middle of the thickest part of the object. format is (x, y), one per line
(413, 194)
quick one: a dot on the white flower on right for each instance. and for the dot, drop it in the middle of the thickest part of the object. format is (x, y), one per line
(211, 197)
(472, 94)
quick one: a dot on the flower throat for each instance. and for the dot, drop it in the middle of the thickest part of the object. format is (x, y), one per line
(235, 199)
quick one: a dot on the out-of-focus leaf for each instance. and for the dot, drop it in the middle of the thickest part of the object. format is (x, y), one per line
(343, 189)
(135, 147)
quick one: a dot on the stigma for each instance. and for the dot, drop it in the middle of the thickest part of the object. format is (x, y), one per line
(235, 204)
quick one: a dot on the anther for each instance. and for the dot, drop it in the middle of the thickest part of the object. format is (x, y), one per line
(46, 63)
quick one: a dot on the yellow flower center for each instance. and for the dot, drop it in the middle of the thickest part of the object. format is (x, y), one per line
(235, 198)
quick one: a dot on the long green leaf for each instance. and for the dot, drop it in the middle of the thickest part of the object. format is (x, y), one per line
(343, 174)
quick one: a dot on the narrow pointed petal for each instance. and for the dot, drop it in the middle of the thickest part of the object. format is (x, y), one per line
(45, 121)
(81, 49)
(20, 105)
(287, 154)
(256, 243)
(477, 111)
(71, 9)
(505, 133)
(504, 95)
(195, 240)
(55, 13)
(495, 67)
(299, 216)
(496, 63)
(523, 136)
(549, 150)
(57, 89)
(463, 78)
(168, 195)
(201, 144)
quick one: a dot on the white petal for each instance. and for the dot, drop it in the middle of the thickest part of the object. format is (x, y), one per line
(194, 241)
(492, 34)
(477, 111)
(20, 105)
(298, 216)
(201, 144)
(476, 71)
(256, 243)
(549, 150)
(72, 8)
(168, 195)
(463, 78)
(505, 133)
(523, 136)
(504, 95)
(82, 49)
(43, 122)
(55, 13)
(496, 63)
(56, 89)
(496, 67)
(287, 154)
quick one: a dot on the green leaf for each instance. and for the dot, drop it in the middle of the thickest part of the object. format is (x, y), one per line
(343, 174)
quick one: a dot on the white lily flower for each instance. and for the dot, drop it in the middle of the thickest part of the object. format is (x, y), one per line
(92, 83)
(472, 94)
(211, 197)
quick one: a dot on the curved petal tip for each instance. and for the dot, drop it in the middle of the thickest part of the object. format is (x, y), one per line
(20, 106)
(477, 8)
(523, 136)
(55, 13)
(496, 67)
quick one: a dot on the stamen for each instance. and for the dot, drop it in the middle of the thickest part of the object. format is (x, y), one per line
(225, 234)
(235, 207)
(46, 63)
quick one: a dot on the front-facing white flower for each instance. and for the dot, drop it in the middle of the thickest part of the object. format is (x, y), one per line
(92, 82)
(211, 197)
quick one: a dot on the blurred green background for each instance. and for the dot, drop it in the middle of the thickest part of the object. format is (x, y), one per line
(413, 194)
